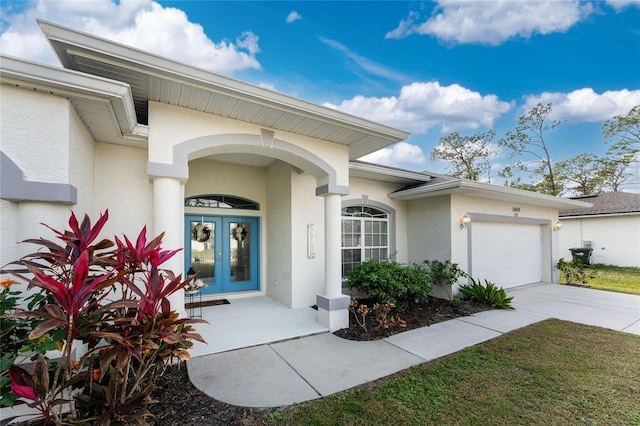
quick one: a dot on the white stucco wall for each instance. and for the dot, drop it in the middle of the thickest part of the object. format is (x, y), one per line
(35, 133)
(306, 208)
(82, 166)
(44, 136)
(170, 126)
(615, 239)
(122, 186)
(8, 231)
(278, 264)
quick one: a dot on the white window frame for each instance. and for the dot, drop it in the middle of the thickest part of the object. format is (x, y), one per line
(389, 220)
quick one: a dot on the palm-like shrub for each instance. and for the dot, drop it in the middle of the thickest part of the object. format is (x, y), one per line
(487, 293)
(112, 297)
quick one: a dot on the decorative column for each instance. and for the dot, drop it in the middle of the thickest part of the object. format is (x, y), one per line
(168, 217)
(333, 305)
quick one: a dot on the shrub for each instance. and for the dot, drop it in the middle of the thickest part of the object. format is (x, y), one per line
(487, 293)
(130, 339)
(575, 272)
(14, 332)
(391, 282)
(444, 274)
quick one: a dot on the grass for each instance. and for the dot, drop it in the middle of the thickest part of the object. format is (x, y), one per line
(621, 279)
(616, 278)
(553, 372)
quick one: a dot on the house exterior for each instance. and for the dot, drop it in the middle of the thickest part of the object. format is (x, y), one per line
(611, 227)
(263, 191)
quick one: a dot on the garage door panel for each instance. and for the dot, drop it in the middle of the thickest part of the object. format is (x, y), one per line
(507, 254)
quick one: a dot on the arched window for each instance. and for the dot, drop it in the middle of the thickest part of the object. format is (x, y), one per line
(365, 235)
(220, 201)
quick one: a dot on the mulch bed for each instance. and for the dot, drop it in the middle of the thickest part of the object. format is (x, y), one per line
(416, 315)
(180, 403)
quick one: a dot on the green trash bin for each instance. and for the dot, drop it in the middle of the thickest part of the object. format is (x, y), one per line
(581, 255)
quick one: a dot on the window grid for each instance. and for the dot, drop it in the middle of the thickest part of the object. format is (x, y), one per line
(365, 236)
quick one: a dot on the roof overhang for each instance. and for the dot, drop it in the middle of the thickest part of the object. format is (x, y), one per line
(105, 106)
(155, 78)
(487, 191)
(363, 170)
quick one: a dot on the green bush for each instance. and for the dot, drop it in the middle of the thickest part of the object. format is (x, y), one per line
(487, 293)
(391, 282)
(575, 272)
(444, 273)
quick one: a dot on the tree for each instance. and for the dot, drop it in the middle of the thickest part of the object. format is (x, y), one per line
(624, 131)
(582, 173)
(467, 155)
(529, 138)
(614, 168)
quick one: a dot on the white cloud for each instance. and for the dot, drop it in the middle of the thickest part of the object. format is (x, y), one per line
(401, 154)
(421, 106)
(585, 105)
(144, 24)
(493, 22)
(293, 16)
(618, 5)
(364, 63)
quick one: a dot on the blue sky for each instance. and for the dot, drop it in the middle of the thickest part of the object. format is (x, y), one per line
(430, 68)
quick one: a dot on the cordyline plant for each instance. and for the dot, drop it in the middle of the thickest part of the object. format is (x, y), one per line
(111, 297)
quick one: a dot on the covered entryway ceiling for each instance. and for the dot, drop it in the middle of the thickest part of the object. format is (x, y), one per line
(154, 78)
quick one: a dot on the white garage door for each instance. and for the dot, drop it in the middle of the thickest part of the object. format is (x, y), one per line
(506, 254)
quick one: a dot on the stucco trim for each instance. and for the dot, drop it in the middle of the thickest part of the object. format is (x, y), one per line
(332, 303)
(13, 186)
(482, 217)
(332, 189)
(390, 211)
(263, 144)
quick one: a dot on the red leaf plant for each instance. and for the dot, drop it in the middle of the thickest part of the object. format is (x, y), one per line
(113, 297)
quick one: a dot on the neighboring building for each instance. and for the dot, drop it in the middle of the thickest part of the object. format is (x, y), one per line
(263, 191)
(611, 227)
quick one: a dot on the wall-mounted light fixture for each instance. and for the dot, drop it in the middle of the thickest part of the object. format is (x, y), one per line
(556, 225)
(464, 221)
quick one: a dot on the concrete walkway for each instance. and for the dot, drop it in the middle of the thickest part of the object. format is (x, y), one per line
(319, 365)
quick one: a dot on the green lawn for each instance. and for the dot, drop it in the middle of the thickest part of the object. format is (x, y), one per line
(553, 372)
(614, 278)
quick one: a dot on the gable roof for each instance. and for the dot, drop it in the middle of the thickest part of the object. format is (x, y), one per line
(155, 78)
(606, 204)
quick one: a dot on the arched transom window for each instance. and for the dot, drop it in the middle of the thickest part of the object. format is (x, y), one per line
(221, 201)
(365, 236)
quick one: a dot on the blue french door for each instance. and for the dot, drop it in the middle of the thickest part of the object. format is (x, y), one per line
(223, 251)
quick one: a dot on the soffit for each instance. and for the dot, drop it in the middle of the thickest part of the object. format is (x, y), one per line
(153, 78)
(105, 106)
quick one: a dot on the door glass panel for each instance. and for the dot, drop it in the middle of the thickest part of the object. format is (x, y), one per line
(240, 251)
(203, 250)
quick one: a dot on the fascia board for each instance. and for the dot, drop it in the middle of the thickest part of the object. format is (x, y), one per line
(383, 171)
(485, 190)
